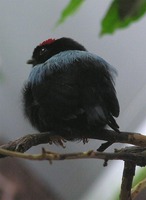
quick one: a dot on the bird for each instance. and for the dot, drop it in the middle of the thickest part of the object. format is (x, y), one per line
(69, 89)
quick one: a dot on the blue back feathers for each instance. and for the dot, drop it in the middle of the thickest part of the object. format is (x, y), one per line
(65, 58)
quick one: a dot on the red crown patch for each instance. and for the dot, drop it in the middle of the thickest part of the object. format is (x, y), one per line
(49, 41)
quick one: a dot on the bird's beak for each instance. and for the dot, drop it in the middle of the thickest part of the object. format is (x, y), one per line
(31, 61)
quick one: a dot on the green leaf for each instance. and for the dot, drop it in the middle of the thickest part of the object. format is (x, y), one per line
(70, 9)
(121, 14)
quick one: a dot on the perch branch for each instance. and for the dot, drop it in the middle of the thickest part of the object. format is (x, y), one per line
(24, 143)
(132, 156)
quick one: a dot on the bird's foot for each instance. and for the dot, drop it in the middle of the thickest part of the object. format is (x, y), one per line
(85, 140)
(57, 140)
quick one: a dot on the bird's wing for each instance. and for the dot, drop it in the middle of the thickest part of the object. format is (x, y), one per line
(99, 95)
(96, 83)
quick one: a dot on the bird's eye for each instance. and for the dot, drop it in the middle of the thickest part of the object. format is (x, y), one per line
(43, 50)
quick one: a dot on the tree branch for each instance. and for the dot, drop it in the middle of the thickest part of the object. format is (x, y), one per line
(128, 174)
(132, 156)
(136, 155)
(24, 143)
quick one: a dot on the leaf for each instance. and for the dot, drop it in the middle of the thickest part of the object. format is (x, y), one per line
(70, 9)
(121, 14)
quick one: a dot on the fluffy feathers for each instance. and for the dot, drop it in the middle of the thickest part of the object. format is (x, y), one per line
(70, 89)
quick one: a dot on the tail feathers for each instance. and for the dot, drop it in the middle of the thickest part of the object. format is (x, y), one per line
(113, 124)
(98, 115)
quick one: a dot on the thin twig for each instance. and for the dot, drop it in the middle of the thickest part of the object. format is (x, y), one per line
(137, 157)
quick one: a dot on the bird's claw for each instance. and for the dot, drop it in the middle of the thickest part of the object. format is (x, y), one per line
(85, 140)
(57, 140)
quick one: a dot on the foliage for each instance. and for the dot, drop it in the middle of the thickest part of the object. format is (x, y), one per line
(70, 9)
(120, 14)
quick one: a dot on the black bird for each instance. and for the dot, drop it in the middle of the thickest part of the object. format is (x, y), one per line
(69, 89)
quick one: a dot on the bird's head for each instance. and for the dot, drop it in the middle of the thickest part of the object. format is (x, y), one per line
(51, 47)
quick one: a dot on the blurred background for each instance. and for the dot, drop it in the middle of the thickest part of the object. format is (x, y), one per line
(23, 25)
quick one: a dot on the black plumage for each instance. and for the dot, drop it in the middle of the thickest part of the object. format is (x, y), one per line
(69, 89)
